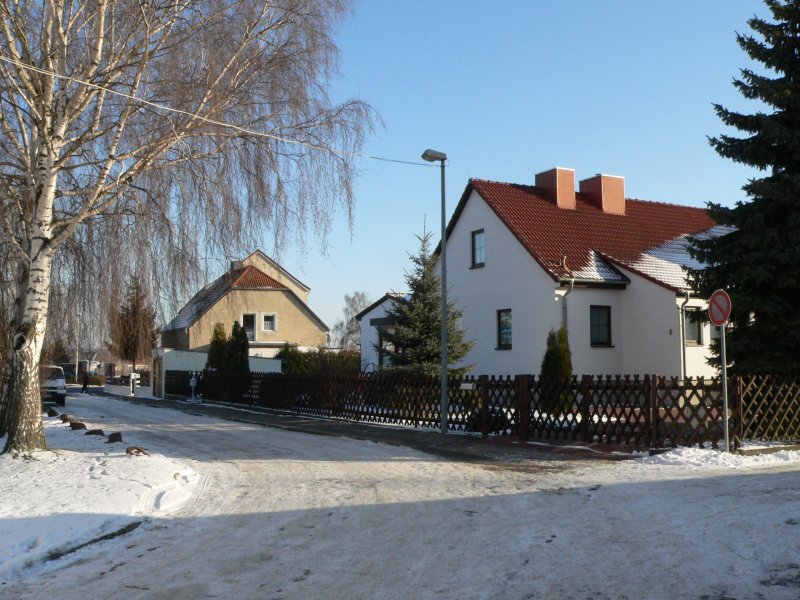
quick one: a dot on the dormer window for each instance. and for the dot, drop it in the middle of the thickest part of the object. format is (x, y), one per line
(478, 249)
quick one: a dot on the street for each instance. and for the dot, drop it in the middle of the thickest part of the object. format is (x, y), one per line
(282, 514)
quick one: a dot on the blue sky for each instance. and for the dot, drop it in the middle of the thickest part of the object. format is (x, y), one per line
(511, 88)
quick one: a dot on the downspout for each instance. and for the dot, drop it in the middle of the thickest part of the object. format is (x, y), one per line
(564, 306)
(682, 329)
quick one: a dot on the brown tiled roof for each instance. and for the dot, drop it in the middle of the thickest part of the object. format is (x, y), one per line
(251, 278)
(248, 277)
(550, 233)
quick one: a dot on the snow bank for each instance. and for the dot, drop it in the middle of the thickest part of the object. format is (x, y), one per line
(78, 490)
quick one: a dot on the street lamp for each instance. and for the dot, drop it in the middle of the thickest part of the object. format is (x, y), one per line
(77, 343)
(432, 156)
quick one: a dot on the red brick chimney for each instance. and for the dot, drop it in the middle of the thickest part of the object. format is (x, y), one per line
(559, 185)
(607, 192)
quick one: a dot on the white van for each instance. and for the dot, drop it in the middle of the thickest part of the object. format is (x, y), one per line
(53, 384)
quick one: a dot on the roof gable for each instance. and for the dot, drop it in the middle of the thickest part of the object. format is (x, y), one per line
(244, 278)
(264, 263)
(571, 243)
(392, 296)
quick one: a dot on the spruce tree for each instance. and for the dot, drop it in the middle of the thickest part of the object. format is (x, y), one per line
(414, 338)
(218, 349)
(757, 264)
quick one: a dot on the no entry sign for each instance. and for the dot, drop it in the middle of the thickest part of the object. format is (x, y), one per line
(719, 308)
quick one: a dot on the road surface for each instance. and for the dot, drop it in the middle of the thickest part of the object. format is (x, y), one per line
(281, 514)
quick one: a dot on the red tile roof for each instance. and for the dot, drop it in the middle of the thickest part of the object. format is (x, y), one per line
(251, 278)
(550, 233)
(247, 277)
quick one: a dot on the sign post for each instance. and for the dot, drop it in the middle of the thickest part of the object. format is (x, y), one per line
(719, 310)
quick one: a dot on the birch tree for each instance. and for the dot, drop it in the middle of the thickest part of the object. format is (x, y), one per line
(203, 120)
(346, 331)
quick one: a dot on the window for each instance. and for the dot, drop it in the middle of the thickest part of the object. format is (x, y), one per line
(249, 326)
(478, 248)
(504, 329)
(692, 327)
(600, 325)
(268, 322)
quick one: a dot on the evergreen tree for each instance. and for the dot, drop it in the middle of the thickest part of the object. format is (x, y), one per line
(218, 349)
(757, 263)
(556, 370)
(133, 326)
(414, 338)
(238, 350)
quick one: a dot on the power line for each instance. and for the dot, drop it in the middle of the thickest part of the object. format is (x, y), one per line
(233, 126)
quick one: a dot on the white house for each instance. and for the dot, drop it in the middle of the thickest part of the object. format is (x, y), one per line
(373, 321)
(522, 260)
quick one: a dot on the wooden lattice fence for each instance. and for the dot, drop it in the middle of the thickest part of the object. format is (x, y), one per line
(650, 411)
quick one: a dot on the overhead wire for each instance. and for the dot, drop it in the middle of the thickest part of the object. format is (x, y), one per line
(239, 128)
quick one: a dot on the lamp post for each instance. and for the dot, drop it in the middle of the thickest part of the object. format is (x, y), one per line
(77, 344)
(432, 156)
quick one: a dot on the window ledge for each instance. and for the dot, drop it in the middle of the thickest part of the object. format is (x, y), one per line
(503, 348)
(478, 266)
(694, 345)
(603, 346)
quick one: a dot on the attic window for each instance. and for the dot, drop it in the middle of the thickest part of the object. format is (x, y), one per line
(478, 248)
(504, 329)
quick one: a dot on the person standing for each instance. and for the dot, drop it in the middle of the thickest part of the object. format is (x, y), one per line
(85, 381)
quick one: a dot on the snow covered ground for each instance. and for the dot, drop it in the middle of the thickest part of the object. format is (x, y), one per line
(80, 489)
(240, 511)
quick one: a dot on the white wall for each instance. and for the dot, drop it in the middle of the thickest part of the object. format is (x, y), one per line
(185, 360)
(599, 360)
(509, 279)
(652, 331)
(696, 355)
(369, 335)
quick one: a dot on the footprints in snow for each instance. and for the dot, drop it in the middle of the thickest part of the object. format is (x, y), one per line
(95, 471)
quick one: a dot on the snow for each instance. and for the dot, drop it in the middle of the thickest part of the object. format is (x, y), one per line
(80, 489)
(239, 510)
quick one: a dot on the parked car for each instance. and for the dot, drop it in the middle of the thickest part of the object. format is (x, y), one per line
(53, 384)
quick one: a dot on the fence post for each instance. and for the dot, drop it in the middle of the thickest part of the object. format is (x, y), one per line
(655, 415)
(523, 404)
(483, 408)
(586, 400)
(739, 408)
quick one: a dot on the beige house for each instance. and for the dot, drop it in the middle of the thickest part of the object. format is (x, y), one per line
(266, 300)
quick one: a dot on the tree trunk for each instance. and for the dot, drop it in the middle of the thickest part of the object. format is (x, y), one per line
(21, 396)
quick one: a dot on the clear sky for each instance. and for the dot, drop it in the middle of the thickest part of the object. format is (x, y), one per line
(511, 88)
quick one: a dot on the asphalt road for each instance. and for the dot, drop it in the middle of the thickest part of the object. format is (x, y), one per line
(280, 513)
(290, 508)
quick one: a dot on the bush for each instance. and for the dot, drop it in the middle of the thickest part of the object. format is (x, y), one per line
(319, 362)
(556, 372)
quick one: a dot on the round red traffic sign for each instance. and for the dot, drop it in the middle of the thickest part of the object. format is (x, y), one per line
(719, 308)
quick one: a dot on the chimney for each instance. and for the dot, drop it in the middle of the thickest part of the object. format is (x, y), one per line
(559, 185)
(236, 264)
(606, 192)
